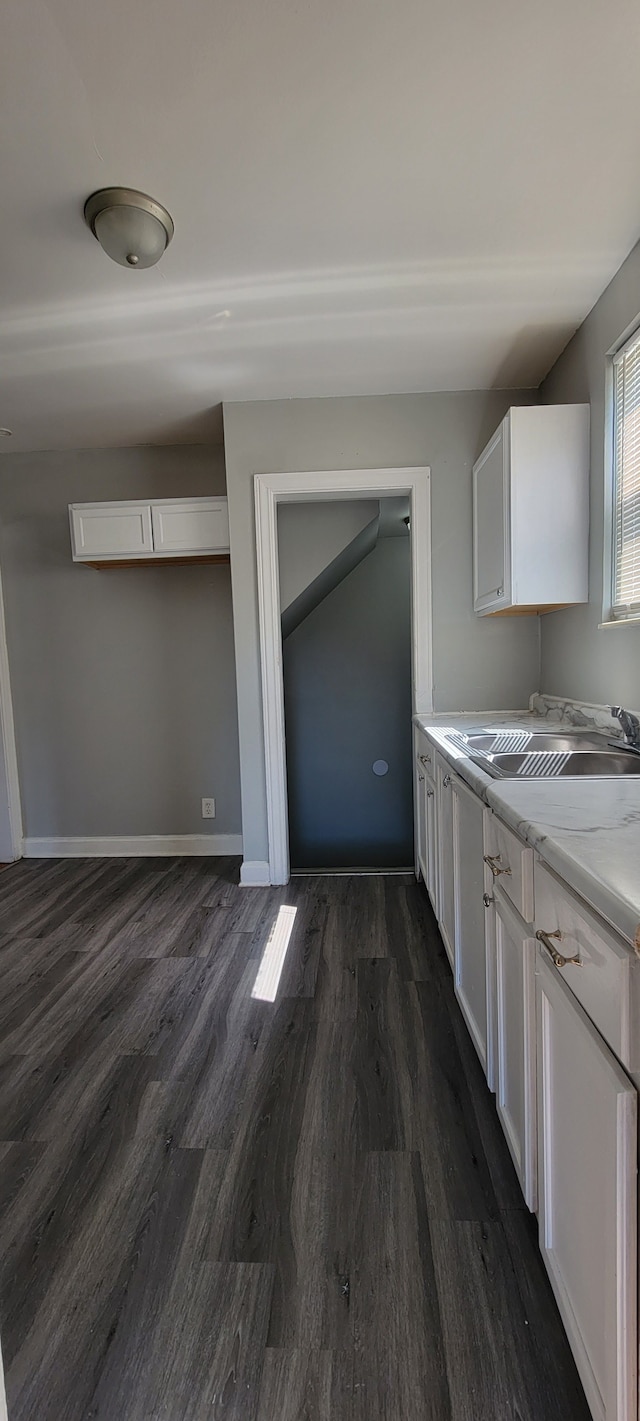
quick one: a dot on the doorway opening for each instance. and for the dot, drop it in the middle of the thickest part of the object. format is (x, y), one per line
(345, 596)
(411, 484)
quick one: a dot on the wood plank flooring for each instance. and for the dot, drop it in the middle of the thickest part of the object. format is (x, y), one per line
(217, 1207)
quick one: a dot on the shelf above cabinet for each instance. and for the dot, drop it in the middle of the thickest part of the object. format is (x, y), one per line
(138, 534)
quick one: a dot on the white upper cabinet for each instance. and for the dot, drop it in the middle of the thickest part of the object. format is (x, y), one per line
(164, 528)
(117, 530)
(196, 525)
(531, 511)
(491, 514)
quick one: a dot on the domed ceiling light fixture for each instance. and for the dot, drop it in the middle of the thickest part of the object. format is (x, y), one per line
(131, 227)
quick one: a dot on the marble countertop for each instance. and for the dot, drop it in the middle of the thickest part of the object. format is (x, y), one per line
(586, 830)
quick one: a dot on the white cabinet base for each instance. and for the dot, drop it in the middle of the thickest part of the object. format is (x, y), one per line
(515, 1042)
(445, 809)
(588, 1195)
(470, 961)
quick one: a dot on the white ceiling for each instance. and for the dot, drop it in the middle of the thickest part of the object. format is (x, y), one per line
(369, 196)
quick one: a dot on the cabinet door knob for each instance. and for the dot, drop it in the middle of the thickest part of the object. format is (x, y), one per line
(487, 900)
(425, 759)
(429, 791)
(421, 778)
(499, 591)
(556, 957)
(446, 781)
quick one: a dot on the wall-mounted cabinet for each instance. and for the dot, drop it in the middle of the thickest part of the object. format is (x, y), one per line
(163, 530)
(531, 512)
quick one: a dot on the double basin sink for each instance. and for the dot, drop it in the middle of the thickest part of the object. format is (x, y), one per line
(539, 754)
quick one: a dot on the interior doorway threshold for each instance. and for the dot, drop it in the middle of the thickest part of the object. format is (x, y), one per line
(352, 872)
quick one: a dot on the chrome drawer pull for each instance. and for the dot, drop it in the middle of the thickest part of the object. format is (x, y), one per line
(493, 860)
(556, 957)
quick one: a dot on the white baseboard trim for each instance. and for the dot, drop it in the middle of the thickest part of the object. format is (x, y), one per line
(134, 846)
(254, 874)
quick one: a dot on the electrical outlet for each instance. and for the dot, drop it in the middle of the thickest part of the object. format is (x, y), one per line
(208, 809)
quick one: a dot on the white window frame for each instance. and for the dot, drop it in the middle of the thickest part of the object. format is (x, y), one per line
(615, 614)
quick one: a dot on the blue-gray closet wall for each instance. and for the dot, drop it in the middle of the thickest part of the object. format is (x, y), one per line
(347, 679)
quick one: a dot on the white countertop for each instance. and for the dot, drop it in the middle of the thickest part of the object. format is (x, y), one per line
(587, 830)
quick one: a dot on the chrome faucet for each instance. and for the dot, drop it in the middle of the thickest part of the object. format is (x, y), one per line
(630, 726)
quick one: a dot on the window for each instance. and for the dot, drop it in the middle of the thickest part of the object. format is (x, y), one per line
(626, 465)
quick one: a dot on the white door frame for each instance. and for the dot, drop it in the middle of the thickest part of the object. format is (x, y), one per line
(8, 742)
(270, 490)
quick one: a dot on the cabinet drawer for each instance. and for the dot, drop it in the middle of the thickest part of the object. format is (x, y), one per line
(197, 525)
(511, 863)
(606, 980)
(425, 754)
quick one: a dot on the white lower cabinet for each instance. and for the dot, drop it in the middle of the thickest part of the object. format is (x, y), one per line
(420, 819)
(431, 875)
(426, 828)
(515, 1077)
(551, 997)
(457, 817)
(470, 962)
(587, 1110)
(426, 823)
(446, 897)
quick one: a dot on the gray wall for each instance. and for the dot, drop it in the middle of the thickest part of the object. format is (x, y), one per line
(578, 660)
(123, 681)
(6, 845)
(310, 536)
(478, 663)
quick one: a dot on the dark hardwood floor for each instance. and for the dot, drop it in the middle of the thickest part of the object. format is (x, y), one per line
(213, 1206)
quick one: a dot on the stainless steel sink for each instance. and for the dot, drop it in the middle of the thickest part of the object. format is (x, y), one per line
(541, 754)
(549, 764)
(520, 741)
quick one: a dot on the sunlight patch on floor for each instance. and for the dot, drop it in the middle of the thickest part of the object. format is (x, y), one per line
(272, 962)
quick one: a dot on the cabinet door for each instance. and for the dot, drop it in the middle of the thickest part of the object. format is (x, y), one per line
(587, 1217)
(426, 831)
(432, 840)
(110, 530)
(190, 526)
(421, 825)
(446, 910)
(491, 556)
(470, 965)
(488, 902)
(515, 1041)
